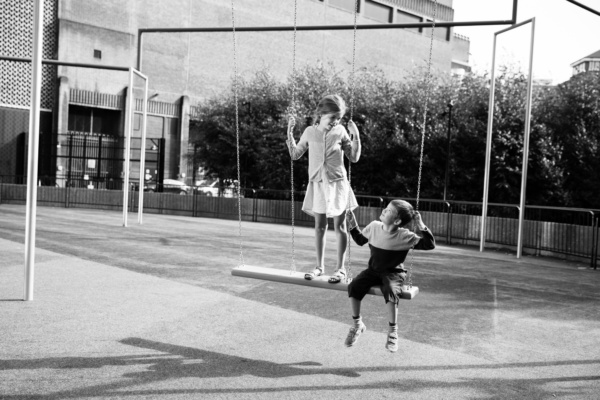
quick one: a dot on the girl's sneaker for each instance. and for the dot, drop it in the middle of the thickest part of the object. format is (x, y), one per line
(354, 333)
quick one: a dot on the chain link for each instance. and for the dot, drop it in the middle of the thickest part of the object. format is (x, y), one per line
(423, 129)
(292, 114)
(237, 131)
(352, 88)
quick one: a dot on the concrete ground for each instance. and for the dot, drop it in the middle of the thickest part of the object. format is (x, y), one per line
(152, 311)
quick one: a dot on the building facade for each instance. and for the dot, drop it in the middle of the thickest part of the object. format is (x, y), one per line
(84, 109)
(588, 63)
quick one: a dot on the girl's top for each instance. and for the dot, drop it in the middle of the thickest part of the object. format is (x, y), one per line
(389, 249)
(326, 152)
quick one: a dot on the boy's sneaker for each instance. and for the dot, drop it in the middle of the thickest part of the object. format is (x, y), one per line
(354, 333)
(392, 341)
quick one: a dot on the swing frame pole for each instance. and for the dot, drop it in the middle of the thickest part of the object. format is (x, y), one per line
(488, 152)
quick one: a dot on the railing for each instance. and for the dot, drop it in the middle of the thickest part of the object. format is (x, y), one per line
(552, 231)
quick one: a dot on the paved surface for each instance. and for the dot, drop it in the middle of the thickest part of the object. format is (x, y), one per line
(152, 311)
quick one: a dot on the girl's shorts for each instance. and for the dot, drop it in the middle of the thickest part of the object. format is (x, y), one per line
(390, 282)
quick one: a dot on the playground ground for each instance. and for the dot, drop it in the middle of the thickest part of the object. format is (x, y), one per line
(152, 311)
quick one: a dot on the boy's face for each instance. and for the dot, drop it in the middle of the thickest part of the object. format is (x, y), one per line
(389, 215)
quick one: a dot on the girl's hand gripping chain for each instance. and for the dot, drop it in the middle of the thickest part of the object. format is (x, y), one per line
(353, 130)
(291, 124)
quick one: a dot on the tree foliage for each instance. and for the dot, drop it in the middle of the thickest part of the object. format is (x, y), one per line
(563, 156)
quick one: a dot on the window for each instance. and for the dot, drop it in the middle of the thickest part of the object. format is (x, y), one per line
(93, 120)
(378, 12)
(407, 18)
(98, 54)
(347, 5)
(440, 33)
(594, 66)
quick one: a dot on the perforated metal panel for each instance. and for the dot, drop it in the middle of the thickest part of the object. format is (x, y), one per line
(16, 38)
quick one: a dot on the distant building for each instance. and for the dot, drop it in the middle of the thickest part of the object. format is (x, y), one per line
(84, 110)
(588, 63)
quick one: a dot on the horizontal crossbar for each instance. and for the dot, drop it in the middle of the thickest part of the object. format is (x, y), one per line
(297, 278)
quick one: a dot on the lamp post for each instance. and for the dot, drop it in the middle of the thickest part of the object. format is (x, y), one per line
(450, 105)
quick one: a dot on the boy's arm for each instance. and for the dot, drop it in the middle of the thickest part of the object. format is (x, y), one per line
(427, 241)
(357, 236)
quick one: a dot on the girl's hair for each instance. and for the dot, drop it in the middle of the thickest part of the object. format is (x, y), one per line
(331, 104)
(405, 210)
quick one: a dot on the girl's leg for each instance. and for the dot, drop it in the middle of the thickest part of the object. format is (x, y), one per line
(320, 238)
(339, 223)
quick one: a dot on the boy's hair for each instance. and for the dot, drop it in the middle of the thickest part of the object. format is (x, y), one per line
(406, 212)
(330, 104)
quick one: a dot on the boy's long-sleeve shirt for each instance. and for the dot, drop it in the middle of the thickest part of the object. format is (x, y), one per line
(389, 249)
(326, 151)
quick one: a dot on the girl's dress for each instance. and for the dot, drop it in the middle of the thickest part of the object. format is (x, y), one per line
(328, 191)
(330, 198)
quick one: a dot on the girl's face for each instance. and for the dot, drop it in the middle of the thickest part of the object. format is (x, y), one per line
(328, 121)
(389, 215)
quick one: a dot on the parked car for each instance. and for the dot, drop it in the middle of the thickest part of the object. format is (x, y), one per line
(169, 186)
(211, 188)
(208, 188)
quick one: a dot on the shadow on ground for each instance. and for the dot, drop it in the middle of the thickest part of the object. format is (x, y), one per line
(178, 362)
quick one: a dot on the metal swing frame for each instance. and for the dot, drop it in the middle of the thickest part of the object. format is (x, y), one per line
(292, 276)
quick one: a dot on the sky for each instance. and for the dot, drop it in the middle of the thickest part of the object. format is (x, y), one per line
(564, 33)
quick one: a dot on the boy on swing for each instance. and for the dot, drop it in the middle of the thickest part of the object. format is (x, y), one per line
(389, 241)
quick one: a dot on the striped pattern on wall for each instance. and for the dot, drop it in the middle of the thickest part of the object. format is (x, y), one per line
(159, 108)
(444, 13)
(100, 100)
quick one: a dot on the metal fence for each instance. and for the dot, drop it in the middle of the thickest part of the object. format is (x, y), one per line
(554, 231)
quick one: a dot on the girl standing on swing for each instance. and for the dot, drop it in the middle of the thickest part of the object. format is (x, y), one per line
(328, 194)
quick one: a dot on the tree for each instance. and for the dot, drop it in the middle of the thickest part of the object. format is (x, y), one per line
(563, 144)
(573, 120)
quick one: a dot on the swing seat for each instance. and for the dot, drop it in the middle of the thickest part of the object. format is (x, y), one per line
(297, 278)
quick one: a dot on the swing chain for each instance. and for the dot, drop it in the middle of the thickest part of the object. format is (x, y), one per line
(352, 79)
(292, 115)
(237, 131)
(423, 129)
(352, 88)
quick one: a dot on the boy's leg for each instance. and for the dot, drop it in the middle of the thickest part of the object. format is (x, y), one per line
(392, 338)
(358, 326)
(392, 312)
(339, 223)
(355, 307)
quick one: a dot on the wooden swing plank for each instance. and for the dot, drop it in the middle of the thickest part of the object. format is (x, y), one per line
(297, 278)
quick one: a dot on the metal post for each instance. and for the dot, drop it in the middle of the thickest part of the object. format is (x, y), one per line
(143, 153)
(32, 152)
(447, 178)
(128, 124)
(488, 150)
(99, 173)
(526, 144)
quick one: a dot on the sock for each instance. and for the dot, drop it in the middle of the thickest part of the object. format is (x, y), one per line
(393, 327)
(357, 320)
